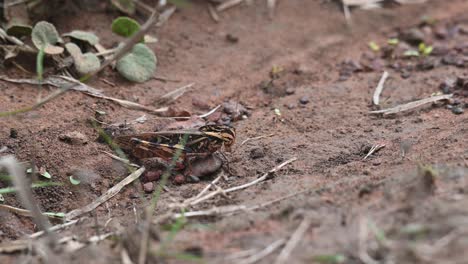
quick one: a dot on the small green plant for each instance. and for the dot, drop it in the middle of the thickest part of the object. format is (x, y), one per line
(374, 46)
(424, 49)
(393, 41)
(74, 181)
(34, 185)
(330, 259)
(139, 64)
(411, 53)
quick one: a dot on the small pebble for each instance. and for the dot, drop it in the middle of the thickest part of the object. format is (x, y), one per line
(74, 138)
(204, 166)
(291, 106)
(13, 133)
(231, 38)
(457, 110)
(152, 176)
(179, 179)
(304, 100)
(290, 91)
(134, 196)
(405, 74)
(148, 187)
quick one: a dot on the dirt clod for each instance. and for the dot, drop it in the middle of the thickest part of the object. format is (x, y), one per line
(179, 179)
(152, 175)
(148, 187)
(74, 138)
(204, 166)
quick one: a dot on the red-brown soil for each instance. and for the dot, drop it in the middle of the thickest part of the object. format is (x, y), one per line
(329, 135)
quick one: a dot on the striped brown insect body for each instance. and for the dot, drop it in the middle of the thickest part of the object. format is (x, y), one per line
(164, 144)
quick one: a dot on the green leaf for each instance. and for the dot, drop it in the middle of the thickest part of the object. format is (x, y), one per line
(330, 259)
(84, 63)
(44, 35)
(424, 49)
(393, 41)
(52, 214)
(19, 30)
(46, 175)
(40, 63)
(179, 3)
(125, 26)
(138, 65)
(373, 46)
(411, 53)
(85, 36)
(74, 181)
(34, 185)
(126, 6)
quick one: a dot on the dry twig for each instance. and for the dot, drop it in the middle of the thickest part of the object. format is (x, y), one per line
(124, 161)
(24, 191)
(213, 14)
(271, 7)
(103, 198)
(412, 105)
(263, 253)
(173, 95)
(294, 240)
(373, 149)
(379, 88)
(236, 188)
(210, 112)
(228, 4)
(255, 138)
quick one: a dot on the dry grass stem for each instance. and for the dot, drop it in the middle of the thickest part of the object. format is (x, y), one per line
(124, 161)
(374, 149)
(210, 112)
(55, 228)
(412, 105)
(296, 237)
(256, 138)
(173, 95)
(103, 198)
(244, 186)
(165, 15)
(131, 105)
(18, 176)
(213, 14)
(228, 4)
(363, 236)
(264, 252)
(271, 7)
(236, 188)
(379, 88)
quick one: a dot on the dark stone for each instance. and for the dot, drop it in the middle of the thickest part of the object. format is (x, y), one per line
(13, 133)
(405, 74)
(304, 100)
(457, 110)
